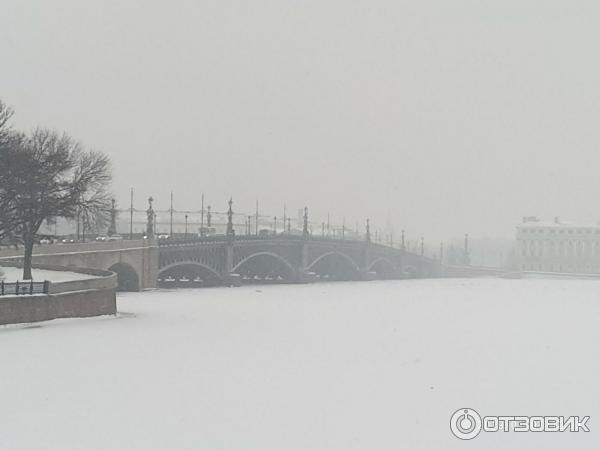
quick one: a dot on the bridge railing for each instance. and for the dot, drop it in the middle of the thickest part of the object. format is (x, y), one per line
(80, 247)
(223, 239)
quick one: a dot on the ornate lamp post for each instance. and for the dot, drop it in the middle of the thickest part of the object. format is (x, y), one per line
(202, 216)
(256, 217)
(305, 223)
(112, 229)
(150, 219)
(171, 219)
(131, 215)
(230, 230)
(368, 234)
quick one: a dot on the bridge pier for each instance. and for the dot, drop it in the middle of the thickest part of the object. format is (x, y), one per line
(366, 275)
(304, 254)
(365, 269)
(229, 277)
(303, 277)
(228, 259)
(400, 267)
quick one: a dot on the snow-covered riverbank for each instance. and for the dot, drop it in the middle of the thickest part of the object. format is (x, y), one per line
(378, 365)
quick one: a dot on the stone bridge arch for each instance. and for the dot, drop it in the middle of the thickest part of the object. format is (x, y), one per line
(135, 261)
(127, 276)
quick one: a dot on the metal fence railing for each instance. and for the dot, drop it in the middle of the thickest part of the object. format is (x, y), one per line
(24, 287)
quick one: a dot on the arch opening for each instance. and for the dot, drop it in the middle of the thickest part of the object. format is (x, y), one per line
(127, 277)
(265, 268)
(335, 267)
(384, 269)
(188, 275)
(410, 272)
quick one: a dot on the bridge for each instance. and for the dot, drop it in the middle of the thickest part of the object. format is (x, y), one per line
(230, 259)
(284, 257)
(287, 258)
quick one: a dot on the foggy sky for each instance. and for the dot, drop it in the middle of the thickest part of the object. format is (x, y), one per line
(438, 117)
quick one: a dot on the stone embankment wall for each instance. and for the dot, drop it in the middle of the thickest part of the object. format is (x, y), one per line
(82, 298)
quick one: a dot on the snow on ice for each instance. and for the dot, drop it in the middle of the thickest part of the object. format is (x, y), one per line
(378, 365)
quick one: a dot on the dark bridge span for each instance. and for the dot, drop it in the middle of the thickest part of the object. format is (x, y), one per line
(219, 260)
(286, 258)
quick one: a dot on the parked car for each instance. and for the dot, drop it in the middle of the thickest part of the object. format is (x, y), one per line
(102, 238)
(115, 237)
(163, 236)
(45, 241)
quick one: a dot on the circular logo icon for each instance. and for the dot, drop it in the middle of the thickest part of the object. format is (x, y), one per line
(465, 423)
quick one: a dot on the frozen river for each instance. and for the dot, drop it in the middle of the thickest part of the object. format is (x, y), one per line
(378, 365)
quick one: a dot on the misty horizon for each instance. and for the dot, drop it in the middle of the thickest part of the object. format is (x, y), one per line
(434, 119)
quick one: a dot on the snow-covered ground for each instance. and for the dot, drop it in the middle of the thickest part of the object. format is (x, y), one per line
(378, 365)
(12, 274)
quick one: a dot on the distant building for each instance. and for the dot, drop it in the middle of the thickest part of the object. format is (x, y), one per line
(554, 246)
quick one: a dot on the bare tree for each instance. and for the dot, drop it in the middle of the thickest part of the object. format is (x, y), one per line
(7, 139)
(49, 175)
(6, 114)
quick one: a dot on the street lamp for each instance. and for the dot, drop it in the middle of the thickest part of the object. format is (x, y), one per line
(186, 223)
